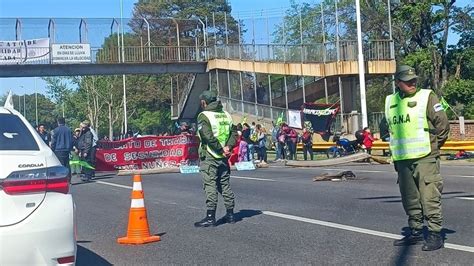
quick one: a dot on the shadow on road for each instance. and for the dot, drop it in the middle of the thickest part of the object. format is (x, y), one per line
(402, 256)
(240, 216)
(88, 257)
(392, 199)
(78, 181)
(382, 197)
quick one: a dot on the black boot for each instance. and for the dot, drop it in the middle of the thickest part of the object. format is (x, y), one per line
(209, 220)
(229, 216)
(414, 238)
(434, 241)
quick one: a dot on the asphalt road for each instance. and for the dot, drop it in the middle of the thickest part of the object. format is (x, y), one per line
(284, 218)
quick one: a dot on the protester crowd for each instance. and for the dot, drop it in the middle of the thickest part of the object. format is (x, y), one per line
(75, 150)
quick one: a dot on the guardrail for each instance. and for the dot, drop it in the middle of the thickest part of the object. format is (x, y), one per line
(382, 145)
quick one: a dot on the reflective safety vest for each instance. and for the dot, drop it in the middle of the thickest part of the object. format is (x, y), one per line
(221, 125)
(408, 125)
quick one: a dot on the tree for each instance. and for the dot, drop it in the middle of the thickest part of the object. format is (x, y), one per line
(186, 14)
(59, 89)
(47, 113)
(422, 27)
(460, 94)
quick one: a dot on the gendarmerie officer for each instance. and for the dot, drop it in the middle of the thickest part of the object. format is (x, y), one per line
(218, 137)
(418, 128)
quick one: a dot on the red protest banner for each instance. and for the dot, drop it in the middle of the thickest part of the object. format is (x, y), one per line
(147, 153)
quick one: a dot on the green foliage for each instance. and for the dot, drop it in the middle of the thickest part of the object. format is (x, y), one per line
(377, 90)
(186, 14)
(47, 114)
(151, 122)
(459, 93)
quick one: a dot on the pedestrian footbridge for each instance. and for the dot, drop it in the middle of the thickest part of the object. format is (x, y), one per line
(257, 79)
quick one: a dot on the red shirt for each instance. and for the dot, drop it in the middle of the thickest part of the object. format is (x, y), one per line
(368, 140)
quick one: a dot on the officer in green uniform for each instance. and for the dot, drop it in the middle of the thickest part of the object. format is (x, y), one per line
(418, 128)
(218, 137)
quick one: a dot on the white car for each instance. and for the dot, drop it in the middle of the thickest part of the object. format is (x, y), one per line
(37, 212)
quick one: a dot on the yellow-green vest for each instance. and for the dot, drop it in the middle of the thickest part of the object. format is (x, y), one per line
(408, 125)
(221, 125)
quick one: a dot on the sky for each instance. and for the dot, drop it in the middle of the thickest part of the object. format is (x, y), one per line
(101, 9)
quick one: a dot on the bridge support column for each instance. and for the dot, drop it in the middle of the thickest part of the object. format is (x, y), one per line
(351, 109)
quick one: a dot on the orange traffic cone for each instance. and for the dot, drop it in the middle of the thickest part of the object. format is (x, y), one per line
(138, 231)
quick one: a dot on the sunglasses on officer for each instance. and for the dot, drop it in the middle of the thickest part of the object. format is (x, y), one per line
(410, 82)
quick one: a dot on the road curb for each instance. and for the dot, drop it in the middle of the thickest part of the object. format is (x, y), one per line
(149, 171)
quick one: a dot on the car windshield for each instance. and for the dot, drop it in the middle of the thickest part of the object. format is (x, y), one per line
(14, 135)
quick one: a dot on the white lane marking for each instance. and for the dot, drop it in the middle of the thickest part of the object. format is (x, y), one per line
(459, 175)
(252, 178)
(356, 229)
(378, 171)
(465, 198)
(112, 184)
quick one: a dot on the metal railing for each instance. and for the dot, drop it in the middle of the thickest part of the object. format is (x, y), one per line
(272, 112)
(150, 54)
(255, 109)
(311, 53)
(308, 53)
(345, 125)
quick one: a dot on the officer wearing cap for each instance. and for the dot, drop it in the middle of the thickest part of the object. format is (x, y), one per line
(418, 127)
(184, 128)
(218, 137)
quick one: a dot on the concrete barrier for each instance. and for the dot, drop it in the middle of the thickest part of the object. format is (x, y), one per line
(149, 171)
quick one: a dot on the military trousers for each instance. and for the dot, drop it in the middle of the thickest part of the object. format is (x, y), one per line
(421, 186)
(216, 179)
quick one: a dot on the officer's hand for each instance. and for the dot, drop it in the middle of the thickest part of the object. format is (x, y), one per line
(226, 150)
(84, 154)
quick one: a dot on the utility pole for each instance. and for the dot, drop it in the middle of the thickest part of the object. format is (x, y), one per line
(123, 76)
(363, 103)
(24, 101)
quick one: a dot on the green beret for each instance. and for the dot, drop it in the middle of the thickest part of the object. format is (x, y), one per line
(208, 96)
(405, 73)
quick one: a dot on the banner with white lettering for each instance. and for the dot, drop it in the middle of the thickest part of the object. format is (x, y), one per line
(320, 116)
(71, 53)
(34, 51)
(147, 153)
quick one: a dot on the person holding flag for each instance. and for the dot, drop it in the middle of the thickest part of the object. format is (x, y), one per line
(275, 137)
